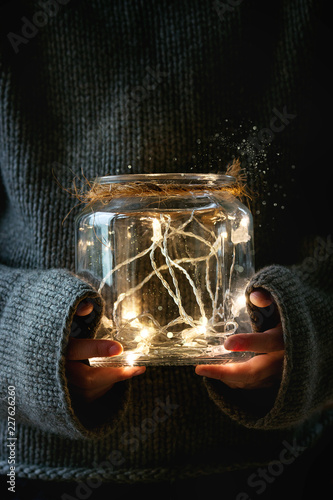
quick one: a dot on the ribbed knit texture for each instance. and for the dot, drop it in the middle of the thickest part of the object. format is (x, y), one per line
(158, 86)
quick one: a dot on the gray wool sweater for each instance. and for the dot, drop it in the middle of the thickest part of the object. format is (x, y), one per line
(91, 88)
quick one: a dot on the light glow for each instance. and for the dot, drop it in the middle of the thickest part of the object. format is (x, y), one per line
(144, 333)
(203, 328)
(130, 358)
(241, 301)
(245, 221)
(142, 330)
(157, 231)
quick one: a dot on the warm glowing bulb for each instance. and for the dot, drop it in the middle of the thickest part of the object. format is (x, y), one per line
(157, 232)
(241, 301)
(130, 358)
(202, 329)
(129, 315)
(244, 222)
(144, 333)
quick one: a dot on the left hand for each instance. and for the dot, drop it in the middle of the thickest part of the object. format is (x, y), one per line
(89, 383)
(262, 370)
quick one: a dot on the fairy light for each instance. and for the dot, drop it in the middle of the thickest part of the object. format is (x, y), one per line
(244, 221)
(241, 234)
(144, 333)
(157, 231)
(162, 232)
(141, 330)
(130, 358)
(241, 301)
(238, 304)
(129, 315)
(203, 328)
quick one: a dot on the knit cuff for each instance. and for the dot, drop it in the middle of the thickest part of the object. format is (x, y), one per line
(35, 326)
(300, 391)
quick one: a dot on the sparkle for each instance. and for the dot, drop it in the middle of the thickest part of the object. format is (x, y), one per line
(144, 333)
(130, 358)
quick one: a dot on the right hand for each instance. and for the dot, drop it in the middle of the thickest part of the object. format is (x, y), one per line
(260, 371)
(91, 383)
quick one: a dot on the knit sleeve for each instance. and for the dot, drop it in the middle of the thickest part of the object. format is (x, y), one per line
(36, 316)
(303, 295)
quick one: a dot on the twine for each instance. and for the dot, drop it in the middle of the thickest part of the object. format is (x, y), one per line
(104, 193)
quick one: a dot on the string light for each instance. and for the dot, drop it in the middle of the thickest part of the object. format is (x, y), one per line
(197, 332)
(172, 279)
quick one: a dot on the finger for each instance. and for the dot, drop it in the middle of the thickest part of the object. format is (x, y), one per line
(261, 298)
(261, 342)
(258, 372)
(84, 308)
(79, 349)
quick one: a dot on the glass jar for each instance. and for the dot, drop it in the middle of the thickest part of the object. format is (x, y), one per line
(171, 254)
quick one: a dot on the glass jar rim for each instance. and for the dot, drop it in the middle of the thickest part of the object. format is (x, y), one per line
(193, 179)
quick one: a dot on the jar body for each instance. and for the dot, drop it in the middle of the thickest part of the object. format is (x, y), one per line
(172, 269)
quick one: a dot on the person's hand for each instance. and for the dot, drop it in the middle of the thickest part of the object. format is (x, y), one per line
(87, 382)
(262, 370)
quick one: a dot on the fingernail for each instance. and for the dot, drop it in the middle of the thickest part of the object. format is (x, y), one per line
(234, 344)
(255, 297)
(115, 349)
(139, 371)
(260, 298)
(204, 372)
(84, 308)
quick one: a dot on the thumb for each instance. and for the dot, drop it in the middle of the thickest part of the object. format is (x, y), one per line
(84, 308)
(263, 310)
(260, 298)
